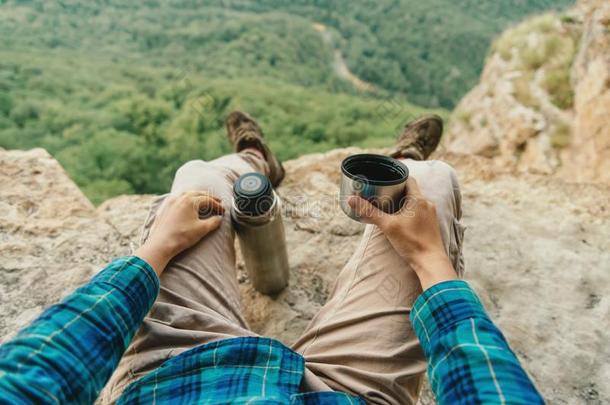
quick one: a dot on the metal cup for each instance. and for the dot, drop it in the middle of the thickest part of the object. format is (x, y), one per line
(379, 179)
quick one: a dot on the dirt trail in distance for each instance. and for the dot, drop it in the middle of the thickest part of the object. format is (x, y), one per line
(339, 65)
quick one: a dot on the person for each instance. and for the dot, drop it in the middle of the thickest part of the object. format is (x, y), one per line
(164, 324)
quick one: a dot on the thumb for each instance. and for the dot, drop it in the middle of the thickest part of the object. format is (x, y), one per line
(413, 188)
(209, 224)
(365, 210)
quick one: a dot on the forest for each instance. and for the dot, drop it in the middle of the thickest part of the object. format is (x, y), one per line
(122, 93)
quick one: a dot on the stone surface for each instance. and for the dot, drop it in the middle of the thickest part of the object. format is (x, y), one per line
(537, 250)
(590, 151)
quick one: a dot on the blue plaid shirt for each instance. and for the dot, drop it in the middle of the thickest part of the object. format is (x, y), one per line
(469, 360)
(70, 351)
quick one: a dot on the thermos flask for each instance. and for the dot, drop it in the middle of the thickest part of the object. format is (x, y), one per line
(257, 220)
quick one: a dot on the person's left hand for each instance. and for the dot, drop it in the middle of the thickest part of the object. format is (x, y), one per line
(177, 227)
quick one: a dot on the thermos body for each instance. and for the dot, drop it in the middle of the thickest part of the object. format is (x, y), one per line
(262, 241)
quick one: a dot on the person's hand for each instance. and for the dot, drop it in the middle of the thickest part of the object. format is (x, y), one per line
(413, 232)
(177, 226)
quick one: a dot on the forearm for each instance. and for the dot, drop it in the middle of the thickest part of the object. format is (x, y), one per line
(432, 268)
(155, 257)
(70, 351)
(469, 360)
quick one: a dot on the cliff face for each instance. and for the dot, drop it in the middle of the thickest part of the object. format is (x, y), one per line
(590, 149)
(537, 250)
(543, 99)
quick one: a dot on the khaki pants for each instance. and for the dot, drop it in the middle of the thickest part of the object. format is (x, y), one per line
(361, 341)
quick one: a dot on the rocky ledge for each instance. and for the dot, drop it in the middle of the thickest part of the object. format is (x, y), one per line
(537, 250)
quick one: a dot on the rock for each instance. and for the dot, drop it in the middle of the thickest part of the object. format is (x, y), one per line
(126, 214)
(537, 250)
(542, 101)
(51, 238)
(590, 150)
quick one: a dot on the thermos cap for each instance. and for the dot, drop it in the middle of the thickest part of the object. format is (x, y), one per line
(253, 194)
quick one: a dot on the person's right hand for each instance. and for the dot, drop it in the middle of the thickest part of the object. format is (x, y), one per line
(413, 232)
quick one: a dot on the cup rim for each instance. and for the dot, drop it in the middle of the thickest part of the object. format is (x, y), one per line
(394, 163)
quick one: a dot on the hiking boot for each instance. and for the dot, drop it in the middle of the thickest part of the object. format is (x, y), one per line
(419, 138)
(244, 133)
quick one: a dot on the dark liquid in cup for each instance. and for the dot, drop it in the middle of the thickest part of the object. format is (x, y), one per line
(374, 169)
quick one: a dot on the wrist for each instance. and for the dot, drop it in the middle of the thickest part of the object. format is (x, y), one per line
(432, 268)
(156, 257)
(425, 260)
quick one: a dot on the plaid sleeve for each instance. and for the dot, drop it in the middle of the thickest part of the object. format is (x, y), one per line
(70, 351)
(469, 360)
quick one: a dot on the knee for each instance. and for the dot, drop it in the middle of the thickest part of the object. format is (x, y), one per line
(447, 172)
(199, 175)
(196, 171)
(438, 179)
(434, 169)
(192, 166)
(440, 166)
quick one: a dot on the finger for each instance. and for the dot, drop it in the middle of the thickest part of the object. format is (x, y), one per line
(209, 224)
(167, 202)
(365, 210)
(412, 195)
(197, 193)
(413, 188)
(208, 205)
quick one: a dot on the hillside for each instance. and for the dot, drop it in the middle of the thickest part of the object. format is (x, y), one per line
(125, 128)
(543, 99)
(122, 92)
(551, 306)
(432, 51)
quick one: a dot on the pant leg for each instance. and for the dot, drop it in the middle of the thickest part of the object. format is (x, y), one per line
(361, 341)
(199, 297)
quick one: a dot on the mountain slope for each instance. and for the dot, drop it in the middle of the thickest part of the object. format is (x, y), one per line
(125, 127)
(432, 51)
(543, 100)
(123, 92)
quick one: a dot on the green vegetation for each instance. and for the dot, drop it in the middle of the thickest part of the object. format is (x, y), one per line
(124, 92)
(561, 136)
(431, 51)
(540, 53)
(546, 42)
(523, 92)
(121, 128)
(557, 84)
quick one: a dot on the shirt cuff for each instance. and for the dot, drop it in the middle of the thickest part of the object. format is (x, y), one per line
(134, 277)
(442, 306)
